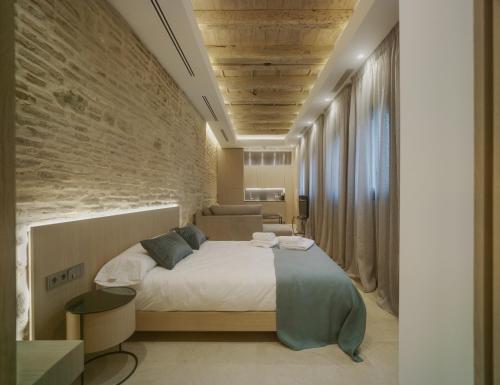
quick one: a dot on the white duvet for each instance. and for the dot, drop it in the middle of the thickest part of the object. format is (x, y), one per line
(221, 276)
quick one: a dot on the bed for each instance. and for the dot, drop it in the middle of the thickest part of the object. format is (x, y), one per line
(221, 276)
(311, 301)
(225, 286)
(230, 292)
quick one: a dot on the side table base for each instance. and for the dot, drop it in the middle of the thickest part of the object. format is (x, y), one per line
(120, 351)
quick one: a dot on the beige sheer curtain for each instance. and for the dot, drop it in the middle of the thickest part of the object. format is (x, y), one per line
(303, 164)
(352, 157)
(316, 179)
(373, 207)
(331, 234)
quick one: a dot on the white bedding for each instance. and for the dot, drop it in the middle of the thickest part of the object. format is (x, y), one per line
(221, 276)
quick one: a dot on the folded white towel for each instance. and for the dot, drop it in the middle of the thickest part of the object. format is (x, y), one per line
(299, 244)
(290, 238)
(267, 244)
(261, 236)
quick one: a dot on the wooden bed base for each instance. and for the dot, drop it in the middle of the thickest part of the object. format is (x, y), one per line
(55, 247)
(206, 321)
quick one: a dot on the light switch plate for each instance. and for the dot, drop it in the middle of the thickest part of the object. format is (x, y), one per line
(75, 272)
(63, 276)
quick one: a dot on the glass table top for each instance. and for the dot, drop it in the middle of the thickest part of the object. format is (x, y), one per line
(97, 301)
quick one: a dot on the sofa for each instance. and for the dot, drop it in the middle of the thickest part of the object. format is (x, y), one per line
(230, 222)
(236, 222)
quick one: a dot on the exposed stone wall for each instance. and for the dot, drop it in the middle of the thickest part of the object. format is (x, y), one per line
(100, 124)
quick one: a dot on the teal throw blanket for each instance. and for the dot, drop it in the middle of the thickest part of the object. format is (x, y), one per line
(316, 302)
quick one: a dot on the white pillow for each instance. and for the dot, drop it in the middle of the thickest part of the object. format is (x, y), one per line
(126, 269)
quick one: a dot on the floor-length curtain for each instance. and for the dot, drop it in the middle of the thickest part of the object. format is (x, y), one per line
(373, 213)
(331, 235)
(351, 158)
(316, 178)
(387, 182)
(303, 164)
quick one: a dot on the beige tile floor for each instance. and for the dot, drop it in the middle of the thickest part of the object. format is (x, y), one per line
(254, 359)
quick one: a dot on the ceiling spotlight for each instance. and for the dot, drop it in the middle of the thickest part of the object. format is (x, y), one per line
(328, 99)
(360, 56)
(309, 122)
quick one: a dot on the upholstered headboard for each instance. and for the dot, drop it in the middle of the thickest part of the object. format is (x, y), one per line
(95, 241)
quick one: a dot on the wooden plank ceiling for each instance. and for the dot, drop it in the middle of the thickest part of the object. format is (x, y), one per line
(267, 54)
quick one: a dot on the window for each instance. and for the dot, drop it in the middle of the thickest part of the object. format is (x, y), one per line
(267, 158)
(380, 150)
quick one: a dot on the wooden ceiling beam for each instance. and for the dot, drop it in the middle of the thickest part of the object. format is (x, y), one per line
(263, 126)
(264, 96)
(280, 119)
(266, 67)
(233, 29)
(267, 55)
(282, 82)
(261, 123)
(263, 101)
(261, 132)
(253, 117)
(271, 60)
(270, 54)
(242, 110)
(266, 4)
(306, 19)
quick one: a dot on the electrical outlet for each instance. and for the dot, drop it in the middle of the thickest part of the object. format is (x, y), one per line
(63, 276)
(57, 279)
(52, 281)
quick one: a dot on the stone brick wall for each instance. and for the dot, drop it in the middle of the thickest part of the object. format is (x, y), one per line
(100, 124)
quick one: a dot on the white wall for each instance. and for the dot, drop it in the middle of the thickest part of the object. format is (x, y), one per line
(436, 282)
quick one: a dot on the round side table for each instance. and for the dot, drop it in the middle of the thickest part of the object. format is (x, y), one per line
(103, 319)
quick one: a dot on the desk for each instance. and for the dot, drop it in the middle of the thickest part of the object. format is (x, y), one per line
(49, 362)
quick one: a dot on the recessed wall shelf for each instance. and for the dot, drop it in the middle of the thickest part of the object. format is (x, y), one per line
(265, 194)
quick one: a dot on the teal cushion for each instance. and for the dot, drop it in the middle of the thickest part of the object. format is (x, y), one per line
(192, 235)
(167, 250)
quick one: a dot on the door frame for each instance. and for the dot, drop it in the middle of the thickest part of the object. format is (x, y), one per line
(495, 169)
(487, 192)
(7, 197)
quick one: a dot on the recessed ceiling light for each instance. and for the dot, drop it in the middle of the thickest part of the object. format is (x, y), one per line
(309, 122)
(360, 56)
(328, 99)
